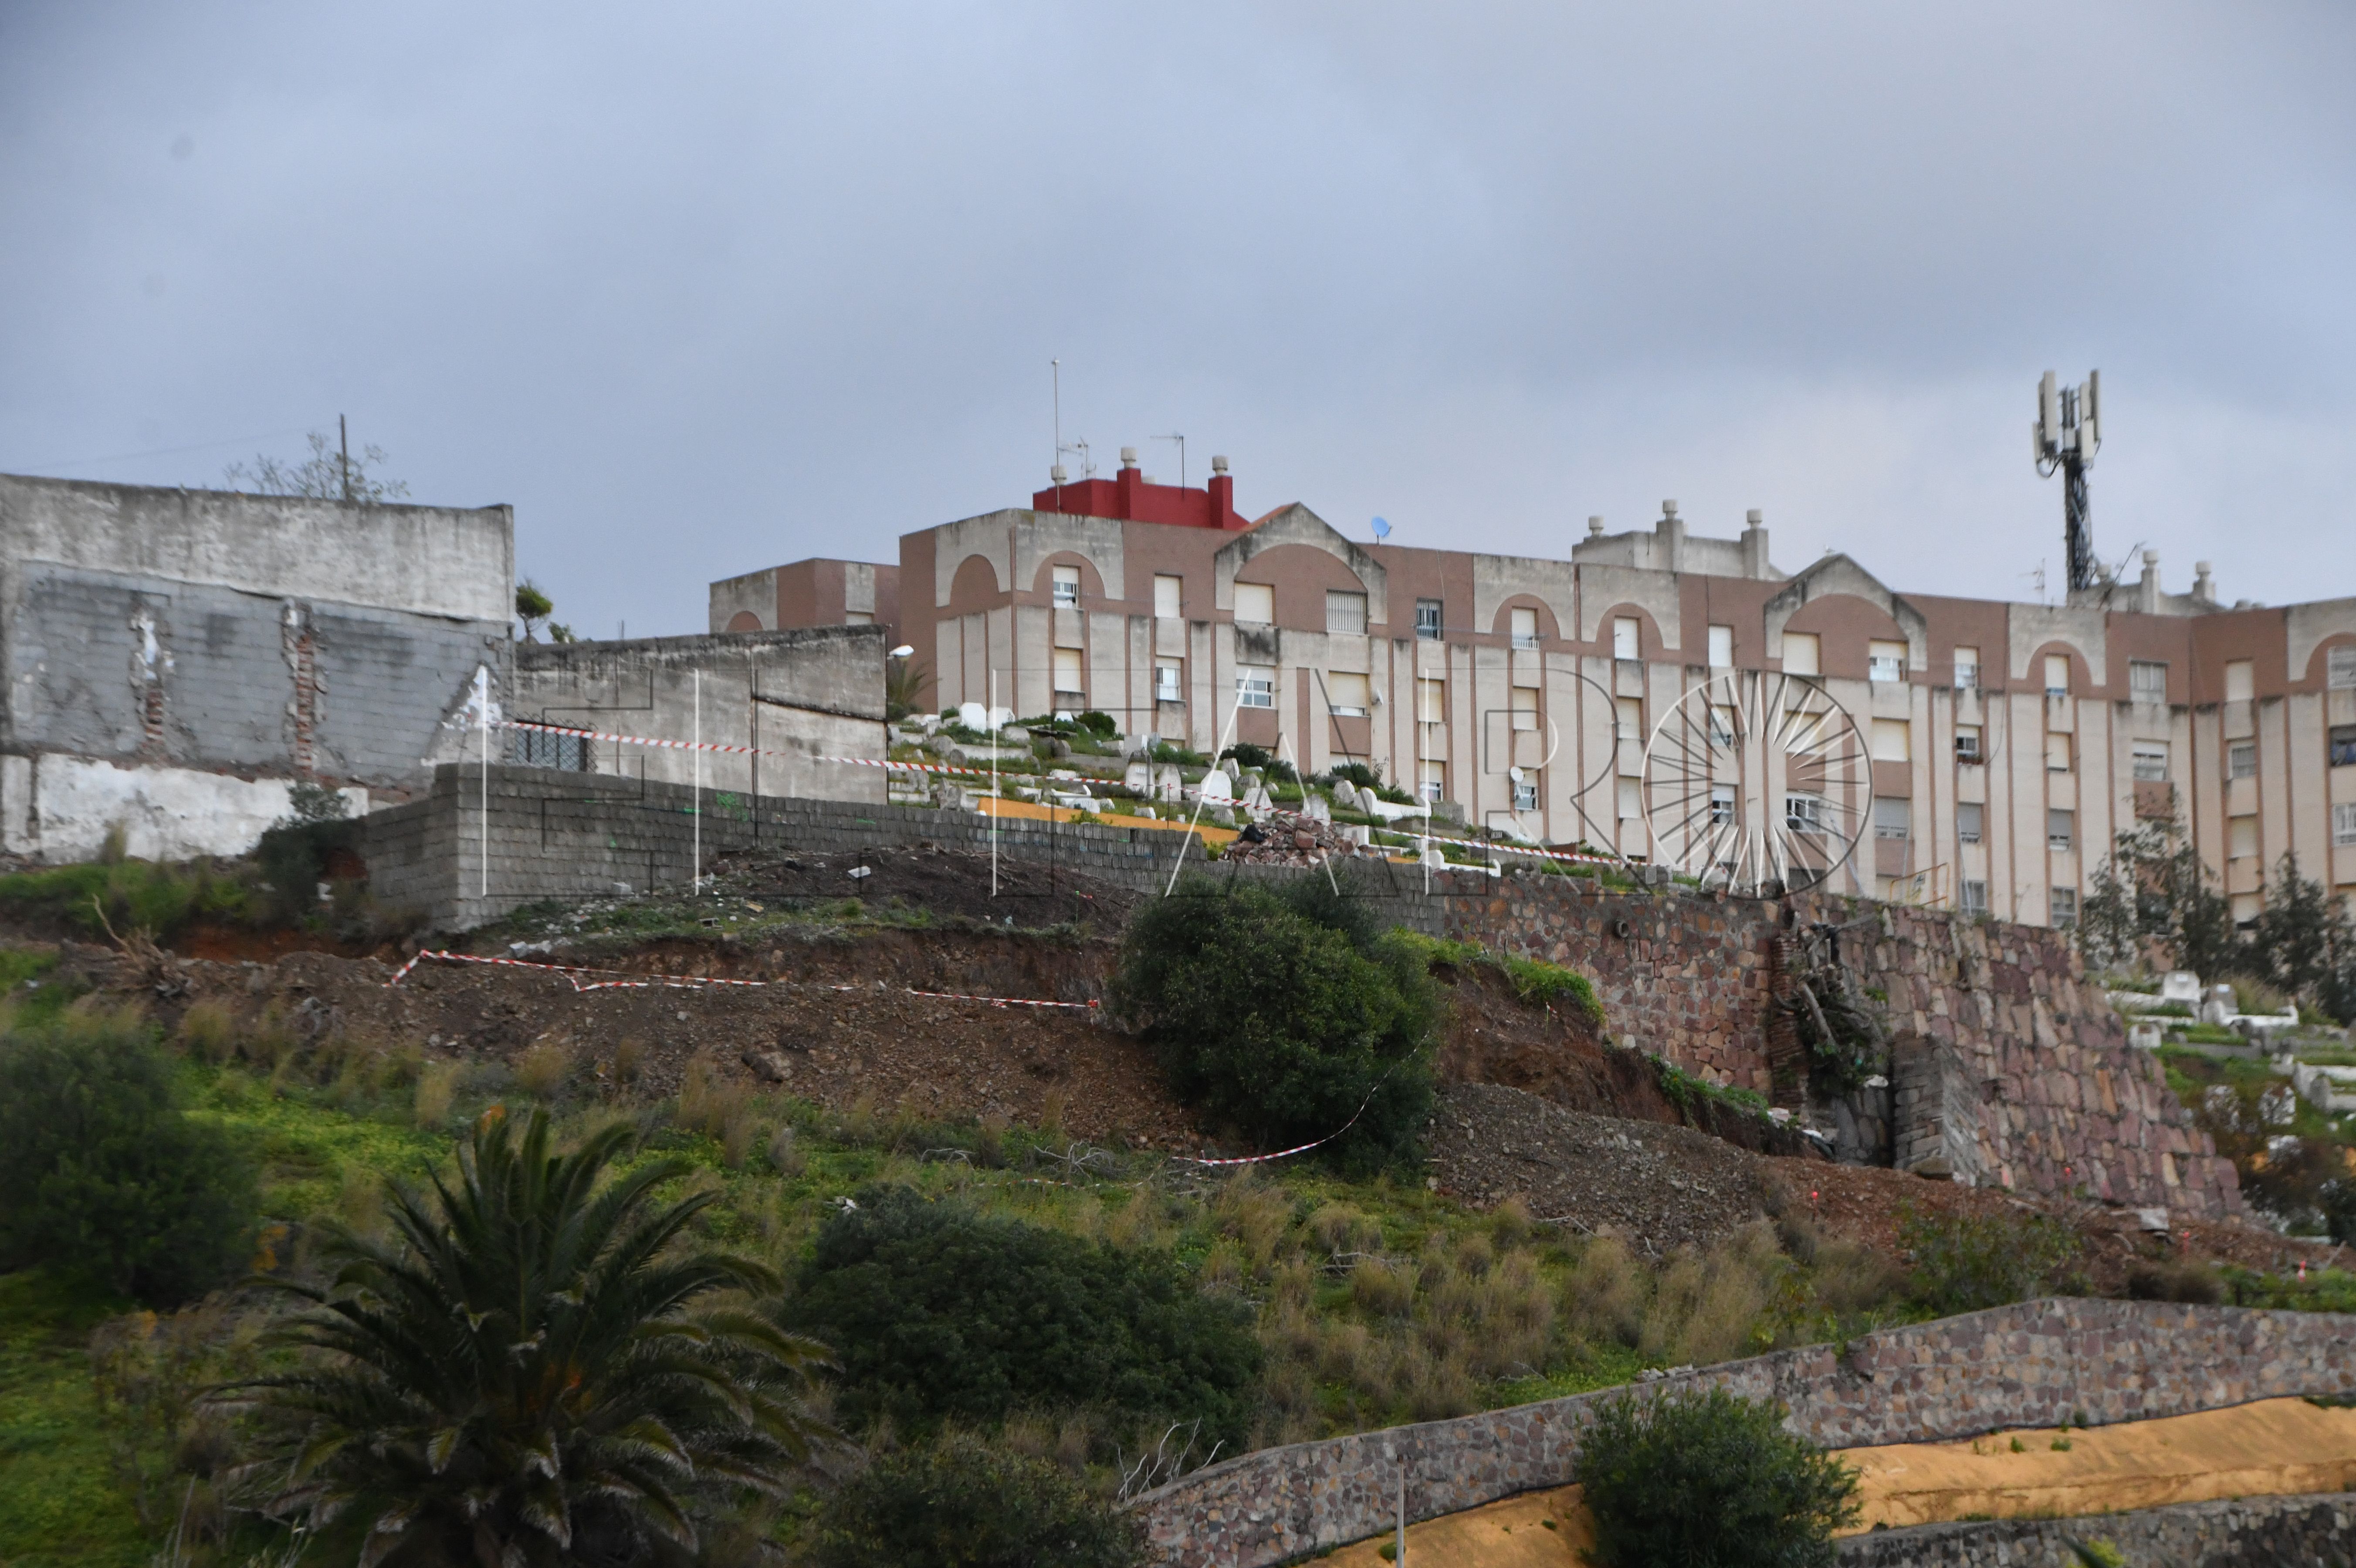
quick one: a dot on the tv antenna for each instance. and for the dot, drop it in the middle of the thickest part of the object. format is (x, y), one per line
(1182, 456)
(1056, 471)
(2067, 434)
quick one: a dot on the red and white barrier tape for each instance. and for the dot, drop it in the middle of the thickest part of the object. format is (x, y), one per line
(1550, 854)
(643, 741)
(1300, 1148)
(908, 767)
(690, 982)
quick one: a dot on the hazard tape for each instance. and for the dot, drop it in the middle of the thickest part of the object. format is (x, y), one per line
(908, 767)
(1300, 1148)
(644, 741)
(1551, 855)
(691, 982)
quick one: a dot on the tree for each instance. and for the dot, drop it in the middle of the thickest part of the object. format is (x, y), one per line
(1708, 1481)
(2305, 942)
(965, 1504)
(533, 607)
(1286, 1017)
(937, 1312)
(905, 680)
(2154, 886)
(329, 473)
(532, 1368)
(100, 1169)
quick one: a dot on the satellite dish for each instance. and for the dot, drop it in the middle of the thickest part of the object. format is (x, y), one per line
(1382, 528)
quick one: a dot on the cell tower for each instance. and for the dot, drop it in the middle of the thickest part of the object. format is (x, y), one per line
(2067, 434)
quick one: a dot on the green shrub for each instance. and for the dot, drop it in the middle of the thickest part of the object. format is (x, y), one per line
(125, 894)
(1964, 1263)
(965, 1503)
(938, 1312)
(1708, 1481)
(295, 849)
(1285, 1017)
(101, 1170)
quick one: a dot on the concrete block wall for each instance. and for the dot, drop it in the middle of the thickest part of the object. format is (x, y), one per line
(2034, 1364)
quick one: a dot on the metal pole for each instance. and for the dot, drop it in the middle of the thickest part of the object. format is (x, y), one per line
(483, 712)
(989, 721)
(696, 882)
(1401, 1548)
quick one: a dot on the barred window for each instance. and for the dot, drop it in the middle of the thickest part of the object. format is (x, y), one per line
(1256, 686)
(538, 748)
(1975, 898)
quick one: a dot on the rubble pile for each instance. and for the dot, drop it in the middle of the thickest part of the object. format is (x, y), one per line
(1294, 838)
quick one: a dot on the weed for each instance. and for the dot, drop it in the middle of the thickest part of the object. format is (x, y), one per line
(541, 1072)
(209, 1030)
(437, 1090)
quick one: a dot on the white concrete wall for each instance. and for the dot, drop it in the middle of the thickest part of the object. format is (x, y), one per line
(58, 809)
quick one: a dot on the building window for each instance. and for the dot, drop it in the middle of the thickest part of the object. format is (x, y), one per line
(1525, 795)
(1631, 721)
(1967, 669)
(1967, 743)
(1722, 806)
(1430, 699)
(1347, 694)
(2064, 903)
(1066, 585)
(1168, 682)
(1067, 674)
(1624, 642)
(1255, 686)
(2343, 745)
(859, 617)
(1893, 740)
(2343, 823)
(1802, 654)
(2147, 681)
(1522, 702)
(536, 749)
(1969, 816)
(2246, 907)
(2151, 761)
(1721, 724)
(1255, 603)
(1169, 596)
(1885, 661)
(1893, 815)
(1431, 780)
(2242, 760)
(2061, 828)
(1427, 620)
(1804, 812)
(2057, 754)
(2241, 680)
(1631, 799)
(2057, 675)
(2241, 838)
(2340, 666)
(1345, 613)
(1975, 898)
(1722, 647)
(1525, 623)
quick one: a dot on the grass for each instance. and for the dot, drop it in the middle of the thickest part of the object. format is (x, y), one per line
(59, 1502)
(160, 898)
(1535, 981)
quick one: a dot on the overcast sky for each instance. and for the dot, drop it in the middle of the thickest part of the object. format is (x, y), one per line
(700, 289)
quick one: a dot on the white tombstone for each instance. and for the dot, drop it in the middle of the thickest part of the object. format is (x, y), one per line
(1168, 783)
(973, 716)
(1138, 776)
(2144, 1034)
(2218, 1009)
(1218, 787)
(1316, 809)
(2180, 985)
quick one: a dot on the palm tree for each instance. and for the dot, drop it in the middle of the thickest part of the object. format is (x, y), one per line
(527, 1372)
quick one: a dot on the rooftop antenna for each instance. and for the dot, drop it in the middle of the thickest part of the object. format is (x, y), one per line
(2067, 434)
(1056, 466)
(1182, 456)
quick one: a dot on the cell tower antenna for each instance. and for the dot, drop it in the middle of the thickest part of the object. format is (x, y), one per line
(2066, 435)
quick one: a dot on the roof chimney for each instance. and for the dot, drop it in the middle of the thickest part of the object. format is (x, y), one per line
(1754, 546)
(1128, 457)
(1668, 539)
(2202, 588)
(1221, 488)
(1595, 527)
(1218, 464)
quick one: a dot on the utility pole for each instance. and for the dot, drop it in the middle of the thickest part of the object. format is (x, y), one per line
(343, 443)
(2066, 435)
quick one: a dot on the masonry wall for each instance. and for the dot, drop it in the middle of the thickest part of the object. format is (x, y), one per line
(2236, 1532)
(177, 659)
(2008, 1065)
(2033, 1364)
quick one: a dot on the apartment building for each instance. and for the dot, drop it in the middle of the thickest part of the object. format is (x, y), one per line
(1677, 696)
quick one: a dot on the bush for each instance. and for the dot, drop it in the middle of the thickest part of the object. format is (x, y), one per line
(1101, 725)
(936, 1311)
(968, 1504)
(1964, 1263)
(100, 1169)
(124, 895)
(1285, 1016)
(295, 849)
(1708, 1481)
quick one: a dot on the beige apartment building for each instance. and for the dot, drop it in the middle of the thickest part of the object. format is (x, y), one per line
(1680, 698)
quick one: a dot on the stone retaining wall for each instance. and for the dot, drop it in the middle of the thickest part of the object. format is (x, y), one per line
(2238, 1532)
(2030, 1365)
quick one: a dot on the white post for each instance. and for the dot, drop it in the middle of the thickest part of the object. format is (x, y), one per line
(1196, 821)
(1401, 1549)
(990, 722)
(696, 882)
(483, 714)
